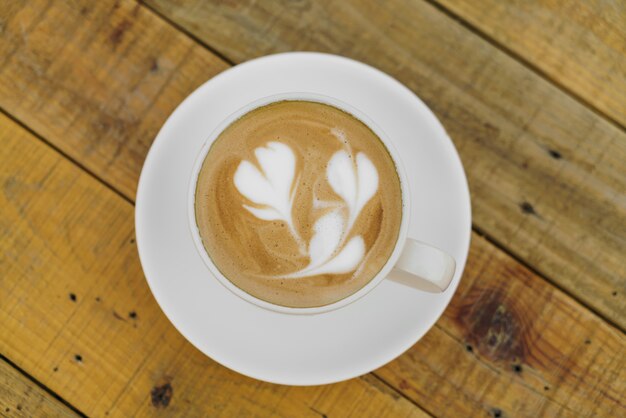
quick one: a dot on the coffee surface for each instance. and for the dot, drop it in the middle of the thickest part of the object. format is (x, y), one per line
(298, 203)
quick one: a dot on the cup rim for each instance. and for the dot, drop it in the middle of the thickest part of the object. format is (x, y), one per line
(317, 98)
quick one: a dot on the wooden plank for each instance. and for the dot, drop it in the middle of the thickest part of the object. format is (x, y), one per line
(97, 79)
(77, 314)
(580, 45)
(547, 174)
(120, 280)
(510, 345)
(21, 397)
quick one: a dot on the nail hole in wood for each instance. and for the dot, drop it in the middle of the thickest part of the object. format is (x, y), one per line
(154, 67)
(527, 208)
(555, 154)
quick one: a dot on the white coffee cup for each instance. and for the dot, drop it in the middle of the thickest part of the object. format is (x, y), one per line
(415, 263)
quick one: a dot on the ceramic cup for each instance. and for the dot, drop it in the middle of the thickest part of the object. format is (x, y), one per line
(415, 263)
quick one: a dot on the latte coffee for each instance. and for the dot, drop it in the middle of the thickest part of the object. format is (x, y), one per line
(298, 203)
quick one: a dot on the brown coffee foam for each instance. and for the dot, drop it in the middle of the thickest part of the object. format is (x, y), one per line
(251, 252)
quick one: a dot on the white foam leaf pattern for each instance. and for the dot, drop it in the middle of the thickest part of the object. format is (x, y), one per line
(355, 186)
(346, 261)
(367, 176)
(270, 187)
(271, 190)
(342, 177)
(253, 185)
(326, 238)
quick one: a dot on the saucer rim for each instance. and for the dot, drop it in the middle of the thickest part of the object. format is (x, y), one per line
(463, 239)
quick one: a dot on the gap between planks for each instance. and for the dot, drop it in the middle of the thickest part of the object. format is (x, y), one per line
(523, 61)
(190, 35)
(64, 155)
(42, 386)
(493, 241)
(475, 228)
(506, 51)
(131, 202)
(449, 13)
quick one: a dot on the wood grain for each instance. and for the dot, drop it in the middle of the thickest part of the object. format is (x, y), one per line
(547, 174)
(580, 45)
(64, 234)
(96, 78)
(77, 315)
(21, 397)
(509, 342)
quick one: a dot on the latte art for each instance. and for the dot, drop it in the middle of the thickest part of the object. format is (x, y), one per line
(273, 187)
(298, 203)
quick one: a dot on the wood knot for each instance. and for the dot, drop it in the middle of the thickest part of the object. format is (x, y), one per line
(118, 33)
(161, 395)
(492, 326)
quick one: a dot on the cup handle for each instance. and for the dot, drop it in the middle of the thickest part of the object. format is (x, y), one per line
(424, 267)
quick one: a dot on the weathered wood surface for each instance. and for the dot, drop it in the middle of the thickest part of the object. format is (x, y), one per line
(77, 314)
(97, 79)
(509, 342)
(21, 397)
(71, 280)
(547, 175)
(580, 45)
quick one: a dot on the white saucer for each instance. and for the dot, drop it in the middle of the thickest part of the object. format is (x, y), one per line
(294, 349)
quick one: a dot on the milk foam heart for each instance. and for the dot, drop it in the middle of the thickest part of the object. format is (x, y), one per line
(298, 203)
(272, 187)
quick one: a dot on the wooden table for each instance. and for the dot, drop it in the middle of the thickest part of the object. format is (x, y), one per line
(533, 93)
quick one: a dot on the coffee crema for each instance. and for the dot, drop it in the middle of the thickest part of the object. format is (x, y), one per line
(298, 203)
